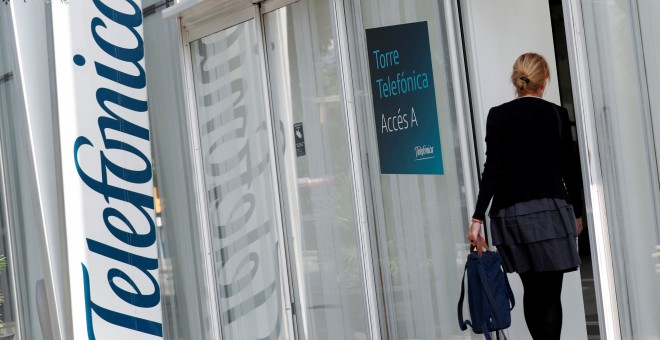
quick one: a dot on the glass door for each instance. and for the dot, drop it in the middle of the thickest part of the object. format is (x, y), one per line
(317, 182)
(243, 243)
(420, 219)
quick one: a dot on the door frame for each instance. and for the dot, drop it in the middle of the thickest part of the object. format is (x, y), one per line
(601, 249)
(595, 209)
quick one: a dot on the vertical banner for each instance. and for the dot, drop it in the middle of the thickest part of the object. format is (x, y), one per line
(107, 170)
(404, 99)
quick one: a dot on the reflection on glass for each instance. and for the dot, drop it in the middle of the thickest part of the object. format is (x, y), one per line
(420, 218)
(238, 186)
(18, 222)
(7, 313)
(304, 76)
(7, 84)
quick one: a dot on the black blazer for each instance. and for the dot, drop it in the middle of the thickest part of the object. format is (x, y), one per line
(530, 154)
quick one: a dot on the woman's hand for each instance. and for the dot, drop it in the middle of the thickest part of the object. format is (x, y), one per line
(579, 225)
(473, 233)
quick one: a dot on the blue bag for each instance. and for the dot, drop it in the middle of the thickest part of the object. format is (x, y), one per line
(489, 294)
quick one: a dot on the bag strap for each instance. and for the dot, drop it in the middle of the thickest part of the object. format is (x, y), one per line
(463, 324)
(486, 332)
(489, 295)
(481, 244)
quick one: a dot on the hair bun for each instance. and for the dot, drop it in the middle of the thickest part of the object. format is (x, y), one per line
(530, 73)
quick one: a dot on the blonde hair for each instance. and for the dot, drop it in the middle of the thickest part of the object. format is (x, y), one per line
(530, 72)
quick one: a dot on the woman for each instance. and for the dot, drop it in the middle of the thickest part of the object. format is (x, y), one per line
(532, 174)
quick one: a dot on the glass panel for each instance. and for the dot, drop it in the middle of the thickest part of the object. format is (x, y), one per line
(316, 176)
(238, 183)
(184, 302)
(18, 223)
(7, 90)
(420, 218)
(624, 86)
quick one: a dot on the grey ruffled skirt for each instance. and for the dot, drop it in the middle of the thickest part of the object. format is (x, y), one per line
(537, 235)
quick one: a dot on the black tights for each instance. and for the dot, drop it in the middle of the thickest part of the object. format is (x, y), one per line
(542, 304)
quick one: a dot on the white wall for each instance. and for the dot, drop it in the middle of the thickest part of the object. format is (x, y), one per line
(497, 32)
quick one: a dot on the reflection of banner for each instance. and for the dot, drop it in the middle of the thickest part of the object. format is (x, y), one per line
(239, 191)
(404, 99)
(106, 167)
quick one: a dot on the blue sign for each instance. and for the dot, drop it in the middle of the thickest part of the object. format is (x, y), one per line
(403, 95)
